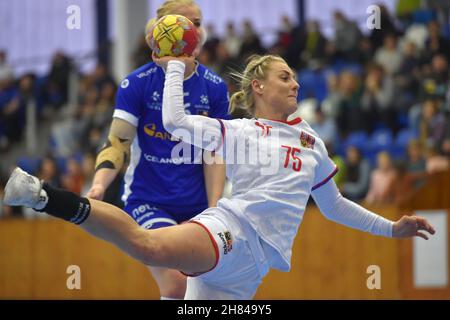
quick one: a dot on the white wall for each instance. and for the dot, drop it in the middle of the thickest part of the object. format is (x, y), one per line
(265, 14)
(32, 30)
(322, 10)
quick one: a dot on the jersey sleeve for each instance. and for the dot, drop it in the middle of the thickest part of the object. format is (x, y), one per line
(326, 168)
(128, 101)
(220, 102)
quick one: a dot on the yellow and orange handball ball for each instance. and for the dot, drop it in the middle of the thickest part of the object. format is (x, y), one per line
(173, 35)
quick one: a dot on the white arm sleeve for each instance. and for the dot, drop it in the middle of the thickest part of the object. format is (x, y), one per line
(341, 210)
(201, 131)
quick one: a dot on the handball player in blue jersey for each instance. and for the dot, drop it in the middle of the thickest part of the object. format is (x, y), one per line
(160, 191)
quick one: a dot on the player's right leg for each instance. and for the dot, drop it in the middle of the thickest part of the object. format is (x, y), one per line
(187, 247)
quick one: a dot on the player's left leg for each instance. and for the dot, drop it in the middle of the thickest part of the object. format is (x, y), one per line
(187, 247)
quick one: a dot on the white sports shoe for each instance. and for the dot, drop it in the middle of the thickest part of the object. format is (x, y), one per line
(24, 189)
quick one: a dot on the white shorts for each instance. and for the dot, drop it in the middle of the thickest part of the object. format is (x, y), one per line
(240, 265)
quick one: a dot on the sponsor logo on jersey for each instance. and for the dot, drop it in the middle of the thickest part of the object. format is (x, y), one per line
(151, 131)
(212, 77)
(146, 73)
(143, 208)
(155, 159)
(307, 141)
(227, 241)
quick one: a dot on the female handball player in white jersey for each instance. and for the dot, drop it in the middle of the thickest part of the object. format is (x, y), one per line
(274, 166)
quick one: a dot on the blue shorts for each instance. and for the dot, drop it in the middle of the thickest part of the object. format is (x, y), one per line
(151, 216)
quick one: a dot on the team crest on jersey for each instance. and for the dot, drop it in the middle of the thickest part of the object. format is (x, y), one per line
(307, 141)
(227, 241)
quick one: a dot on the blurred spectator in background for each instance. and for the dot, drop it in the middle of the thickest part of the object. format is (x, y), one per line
(377, 99)
(387, 26)
(6, 71)
(382, 181)
(104, 108)
(346, 37)
(101, 76)
(389, 56)
(13, 108)
(432, 124)
(142, 54)
(435, 162)
(251, 44)
(58, 80)
(436, 43)
(415, 165)
(212, 41)
(232, 41)
(407, 78)
(365, 51)
(344, 104)
(445, 147)
(284, 37)
(325, 127)
(308, 46)
(358, 173)
(48, 170)
(435, 78)
(10, 114)
(73, 178)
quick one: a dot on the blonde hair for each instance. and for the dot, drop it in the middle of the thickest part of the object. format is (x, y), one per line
(168, 7)
(256, 68)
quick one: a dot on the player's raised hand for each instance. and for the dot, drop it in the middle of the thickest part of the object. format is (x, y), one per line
(411, 226)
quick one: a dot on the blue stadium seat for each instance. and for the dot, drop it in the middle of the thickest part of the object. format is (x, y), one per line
(380, 140)
(312, 84)
(404, 136)
(30, 165)
(401, 142)
(358, 139)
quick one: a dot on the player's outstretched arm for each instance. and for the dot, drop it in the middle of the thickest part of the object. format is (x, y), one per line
(341, 210)
(201, 131)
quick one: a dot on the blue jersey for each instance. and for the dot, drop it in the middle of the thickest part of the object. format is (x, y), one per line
(153, 176)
